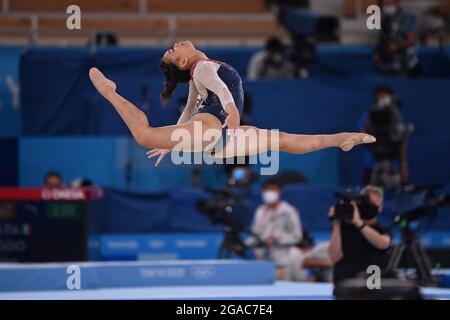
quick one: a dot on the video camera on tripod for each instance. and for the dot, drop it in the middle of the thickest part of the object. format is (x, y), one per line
(231, 211)
(419, 202)
(414, 204)
(385, 123)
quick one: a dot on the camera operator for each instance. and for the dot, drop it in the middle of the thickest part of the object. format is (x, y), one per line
(395, 52)
(276, 227)
(387, 164)
(359, 242)
(304, 52)
(270, 63)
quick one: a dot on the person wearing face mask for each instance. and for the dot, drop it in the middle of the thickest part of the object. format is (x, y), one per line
(361, 242)
(386, 163)
(395, 52)
(271, 62)
(385, 100)
(276, 227)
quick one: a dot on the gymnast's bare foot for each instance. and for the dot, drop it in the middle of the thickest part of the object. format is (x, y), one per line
(103, 85)
(348, 140)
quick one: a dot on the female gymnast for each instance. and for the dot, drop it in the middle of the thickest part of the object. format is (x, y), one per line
(215, 102)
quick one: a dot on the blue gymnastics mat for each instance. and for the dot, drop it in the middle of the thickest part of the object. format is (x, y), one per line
(97, 275)
(277, 291)
(179, 279)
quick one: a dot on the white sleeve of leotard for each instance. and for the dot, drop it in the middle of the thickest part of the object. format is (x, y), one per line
(206, 73)
(190, 104)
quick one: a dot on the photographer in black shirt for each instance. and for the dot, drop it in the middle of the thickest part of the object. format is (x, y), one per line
(359, 242)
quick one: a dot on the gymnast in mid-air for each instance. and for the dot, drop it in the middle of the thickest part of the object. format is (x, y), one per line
(215, 102)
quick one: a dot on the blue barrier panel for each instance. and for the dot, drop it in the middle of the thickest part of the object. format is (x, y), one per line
(176, 211)
(32, 277)
(193, 246)
(120, 163)
(160, 246)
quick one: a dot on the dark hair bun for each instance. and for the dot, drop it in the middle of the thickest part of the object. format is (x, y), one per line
(168, 90)
(173, 77)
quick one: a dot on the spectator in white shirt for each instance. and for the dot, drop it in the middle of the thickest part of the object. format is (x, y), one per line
(276, 227)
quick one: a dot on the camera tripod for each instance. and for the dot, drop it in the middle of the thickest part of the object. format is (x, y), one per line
(232, 244)
(411, 243)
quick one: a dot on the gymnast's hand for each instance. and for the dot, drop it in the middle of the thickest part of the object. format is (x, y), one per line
(154, 152)
(232, 121)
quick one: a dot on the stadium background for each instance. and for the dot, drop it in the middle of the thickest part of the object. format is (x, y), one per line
(58, 122)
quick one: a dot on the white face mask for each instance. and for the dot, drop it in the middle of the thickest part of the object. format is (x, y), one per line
(270, 196)
(384, 101)
(390, 10)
